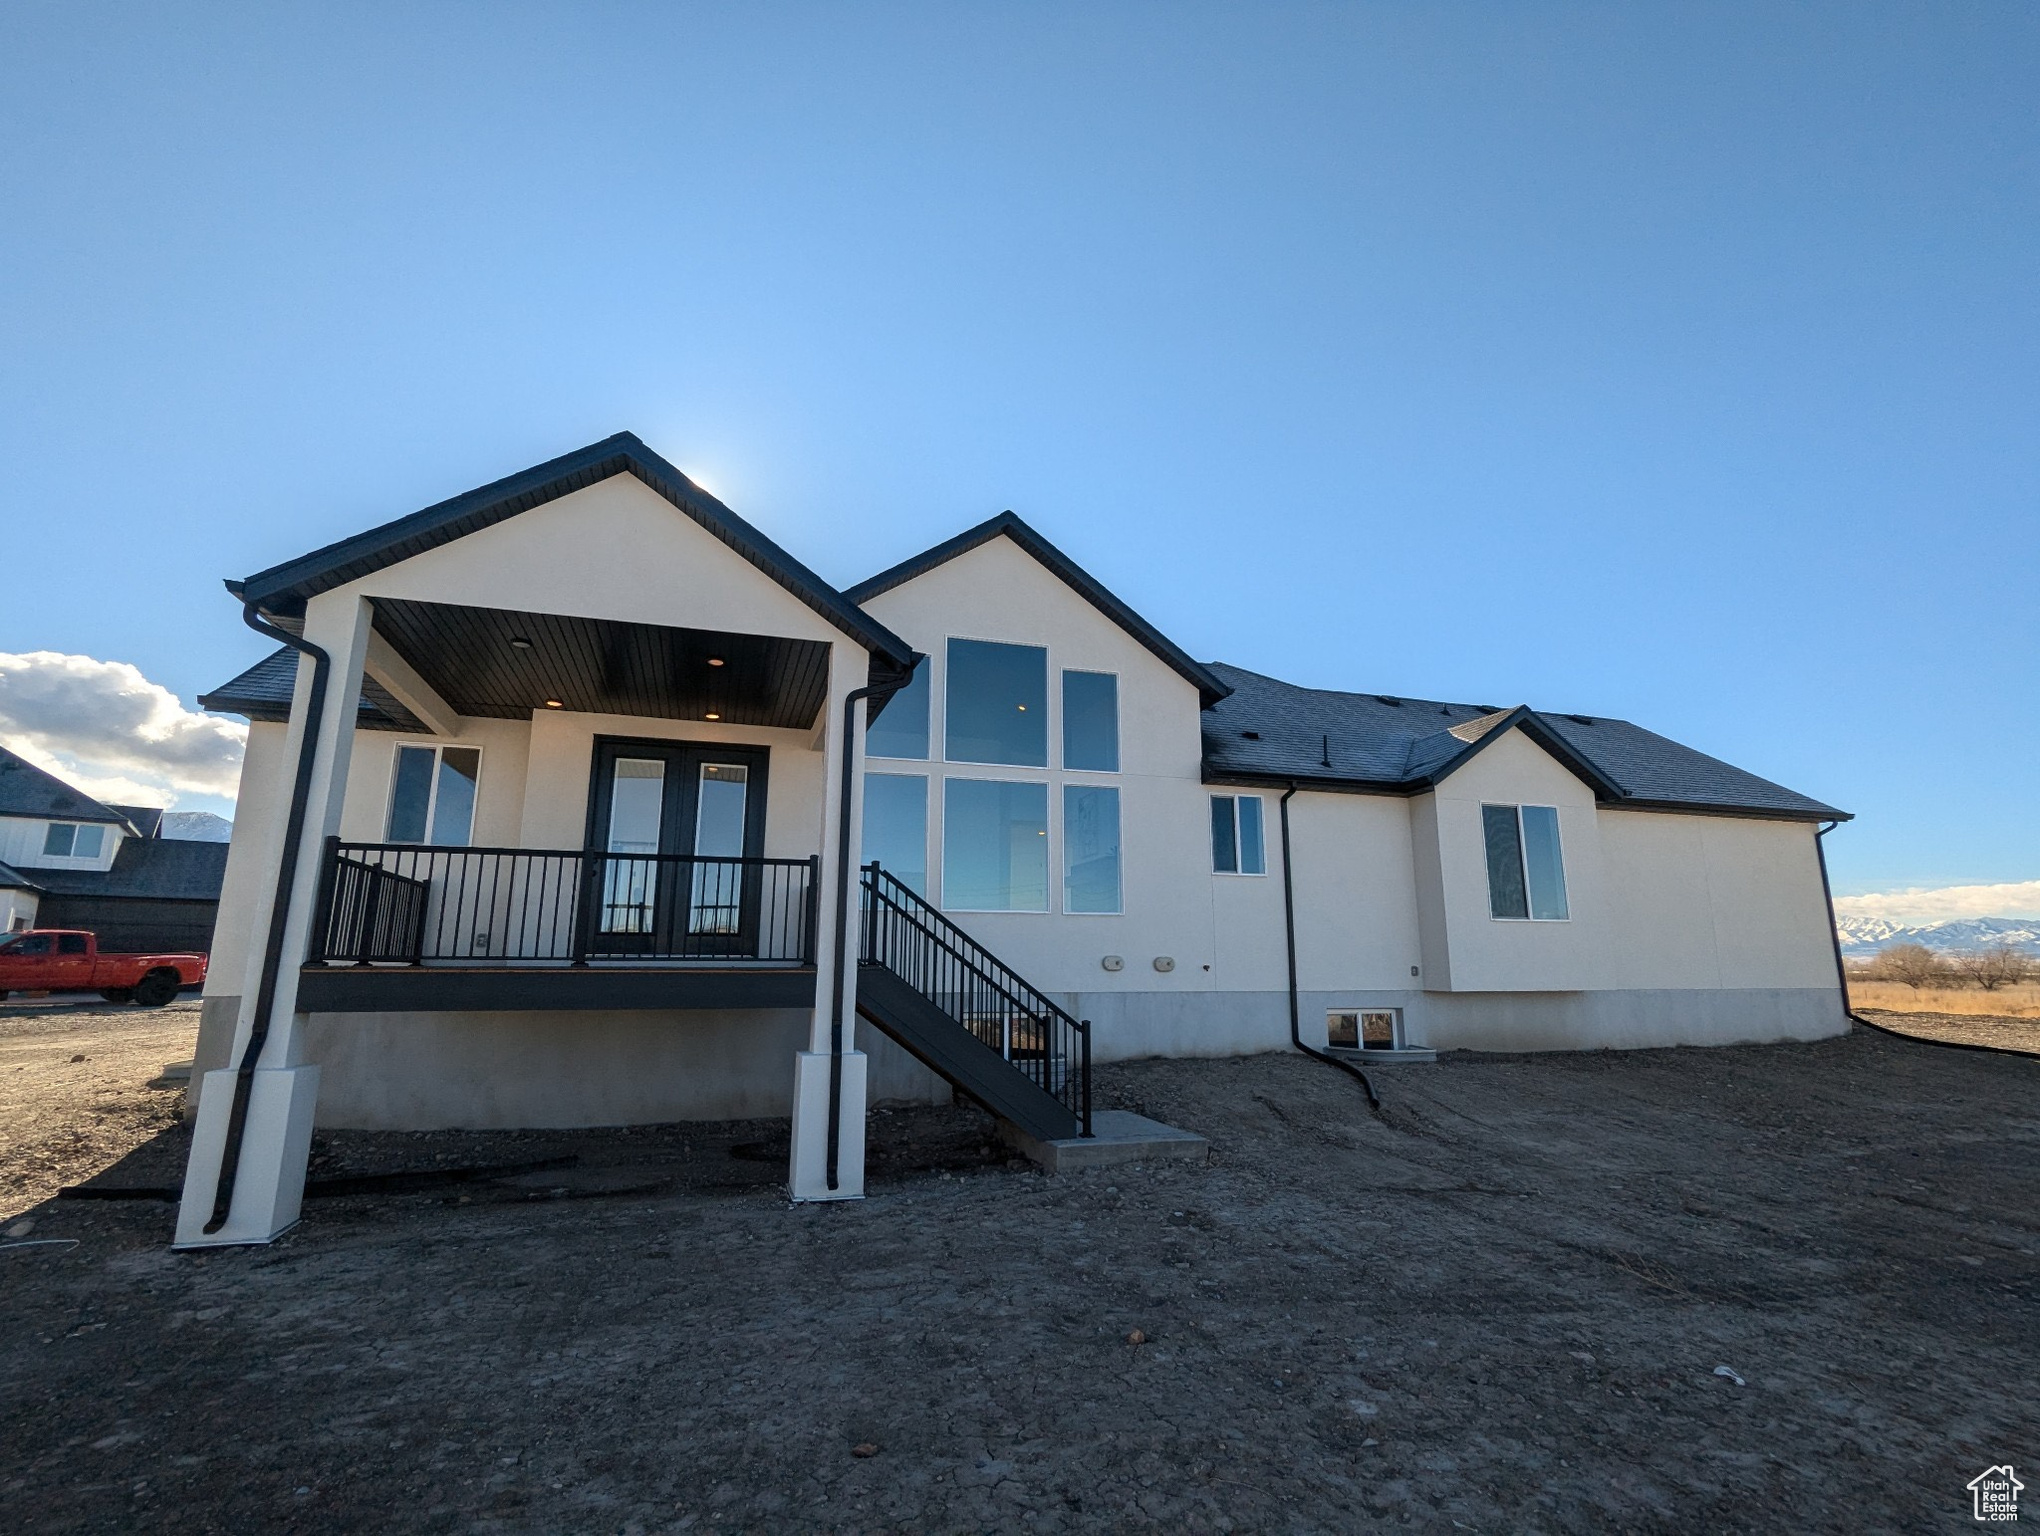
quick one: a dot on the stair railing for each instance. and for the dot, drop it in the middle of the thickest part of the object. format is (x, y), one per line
(984, 995)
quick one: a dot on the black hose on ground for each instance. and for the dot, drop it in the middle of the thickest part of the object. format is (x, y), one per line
(1289, 932)
(279, 914)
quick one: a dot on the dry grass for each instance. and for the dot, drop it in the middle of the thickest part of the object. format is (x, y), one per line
(2019, 1002)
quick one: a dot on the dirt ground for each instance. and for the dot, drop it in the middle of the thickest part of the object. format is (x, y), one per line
(1500, 1306)
(2001, 1034)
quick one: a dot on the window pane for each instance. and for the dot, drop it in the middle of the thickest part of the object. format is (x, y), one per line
(1225, 853)
(1504, 862)
(896, 827)
(901, 730)
(719, 814)
(1253, 856)
(1343, 1030)
(1546, 864)
(994, 846)
(57, 840)
(1091, 721)
(637, 804)
(453, 813)
(410, 795)
(1090, 848)
(997, 703)
(87, 843)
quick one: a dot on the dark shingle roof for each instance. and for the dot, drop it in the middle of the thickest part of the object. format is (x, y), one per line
(283, 589)
(155, 867)
(25, 790)
(1367, 741)
(1210, 687)
(13, 879)
(147, 820)
(263, 692)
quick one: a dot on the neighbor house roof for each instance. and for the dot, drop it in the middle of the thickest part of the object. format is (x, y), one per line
(14, 880)
(147, 820)
(1272, 732)
(1210, 687)
(25, 790)
(283, 589)
(153, 867)
(263, 692)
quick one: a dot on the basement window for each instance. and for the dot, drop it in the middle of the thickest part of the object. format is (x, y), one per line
(432, 795)
(71, 840)
(1237, 846)
(1371, 1029)
(1525, 867)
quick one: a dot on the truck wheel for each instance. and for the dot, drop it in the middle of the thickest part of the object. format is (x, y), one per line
(156, 988)
(118, 994)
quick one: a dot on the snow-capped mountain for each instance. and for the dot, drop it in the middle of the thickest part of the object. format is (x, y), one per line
(1864, 936)
(196, 827)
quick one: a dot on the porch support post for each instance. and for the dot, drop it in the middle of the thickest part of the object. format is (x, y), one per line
(268, 1174)
(829, 1072)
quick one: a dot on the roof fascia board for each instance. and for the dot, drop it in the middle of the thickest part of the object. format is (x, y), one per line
(1409, 789)
(1209, 688)
(285, 588)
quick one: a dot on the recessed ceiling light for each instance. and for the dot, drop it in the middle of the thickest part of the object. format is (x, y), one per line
(520, 642)
(715, 661)
(554, 704)
(711, 717)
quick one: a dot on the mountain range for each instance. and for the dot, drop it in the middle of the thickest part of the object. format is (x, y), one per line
(1863, 937)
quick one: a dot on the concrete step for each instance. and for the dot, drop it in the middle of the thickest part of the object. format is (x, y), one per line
(1380, 1058)
(1118, 1137)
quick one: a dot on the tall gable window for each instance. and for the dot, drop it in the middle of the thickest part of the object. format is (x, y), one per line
(1090, 848)
(996, 709)
(1525, 867)
(901, 730)
(1090, 721)
(994, 846)
(432, 795)
(73, 840)
(1237, 846)
(896, 827)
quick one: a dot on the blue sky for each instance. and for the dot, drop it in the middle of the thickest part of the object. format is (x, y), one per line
(1677, 362)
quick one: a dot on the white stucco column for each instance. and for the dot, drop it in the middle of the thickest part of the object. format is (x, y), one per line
(814, 1068)
(276, 1139)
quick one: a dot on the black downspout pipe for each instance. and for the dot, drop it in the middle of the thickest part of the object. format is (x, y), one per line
(279, 914)
(1289, 933)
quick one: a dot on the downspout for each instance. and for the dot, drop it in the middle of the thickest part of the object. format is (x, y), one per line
(279, 913)
(1289, 935)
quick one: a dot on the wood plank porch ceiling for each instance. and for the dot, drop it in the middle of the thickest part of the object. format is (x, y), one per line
(605, 666)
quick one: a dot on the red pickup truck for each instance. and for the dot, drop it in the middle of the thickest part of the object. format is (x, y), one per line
(67, 960)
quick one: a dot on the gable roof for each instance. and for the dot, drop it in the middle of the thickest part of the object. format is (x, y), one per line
(1210, 687)
(25, 790)
(12, 879)
(264, 691)
(283, 589)
(1322, 739)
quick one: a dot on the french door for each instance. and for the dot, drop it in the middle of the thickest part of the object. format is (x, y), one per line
(673, 822)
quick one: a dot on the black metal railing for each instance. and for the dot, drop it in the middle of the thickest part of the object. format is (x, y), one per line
(404, 903)
(978, 990)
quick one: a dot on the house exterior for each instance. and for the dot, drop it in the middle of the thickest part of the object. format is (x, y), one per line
(70, 861)
(614, 812)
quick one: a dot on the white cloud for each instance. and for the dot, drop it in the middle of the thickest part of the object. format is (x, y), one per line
(108, 730)
(1918, 907)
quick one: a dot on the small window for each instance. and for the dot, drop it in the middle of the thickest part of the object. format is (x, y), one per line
(58, 840)
(1371, 1029)
(1237, 847)
(1525, 866)
(896, 827)
(996, 704)
(1090, 721)
(1090, 848)
(901, 729)
(994, 846)
(432, 795)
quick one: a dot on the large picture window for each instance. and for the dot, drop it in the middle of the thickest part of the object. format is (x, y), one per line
(994, 846)
(1525, 867)
(1237, 844)
(996, 705)
(1090, 721)
(896, 827)
(432, 795)
(901, 729)
(1090, 848)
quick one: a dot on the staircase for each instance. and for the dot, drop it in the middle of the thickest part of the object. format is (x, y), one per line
(968, 1017)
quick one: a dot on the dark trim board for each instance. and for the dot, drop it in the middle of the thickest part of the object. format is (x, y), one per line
(427, 989)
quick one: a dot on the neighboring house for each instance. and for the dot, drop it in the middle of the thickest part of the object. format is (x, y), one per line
(589, 747)
(69, 861)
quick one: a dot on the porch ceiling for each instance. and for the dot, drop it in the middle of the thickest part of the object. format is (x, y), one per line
(605, 666)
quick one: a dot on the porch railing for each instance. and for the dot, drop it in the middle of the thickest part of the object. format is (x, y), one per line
(927, 951)
(401, 903)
